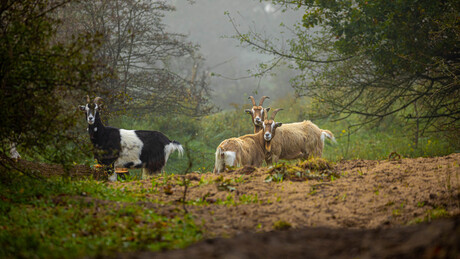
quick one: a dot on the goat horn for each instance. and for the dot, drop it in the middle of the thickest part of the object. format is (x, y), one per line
(87, 99)
(253, 101)
(263, 99)
(266, 110)
(275, 112)
(97, 100)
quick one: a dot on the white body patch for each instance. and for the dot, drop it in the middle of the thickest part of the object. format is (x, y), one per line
(171, 147)
(131, 148)
(228, 159)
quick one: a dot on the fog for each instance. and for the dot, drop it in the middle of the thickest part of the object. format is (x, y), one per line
(207, 23)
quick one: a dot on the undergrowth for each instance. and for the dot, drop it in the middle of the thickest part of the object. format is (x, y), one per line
(58, 218)
(375, 141)
(311, 169)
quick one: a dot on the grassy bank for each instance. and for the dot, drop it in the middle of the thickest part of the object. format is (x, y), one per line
(201, 136)
(57, 218)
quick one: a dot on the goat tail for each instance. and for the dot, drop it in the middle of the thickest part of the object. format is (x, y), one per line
(173, 146)
(327, 134)
(219, 162)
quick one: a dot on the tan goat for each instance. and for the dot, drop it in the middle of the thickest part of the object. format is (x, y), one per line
(293, 140)
(258, 113)
(244, 150)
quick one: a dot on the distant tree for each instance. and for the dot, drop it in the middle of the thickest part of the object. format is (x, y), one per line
(377, 58)
(140, 54)
(40, 79)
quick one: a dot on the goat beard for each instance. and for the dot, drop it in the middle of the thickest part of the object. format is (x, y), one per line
(268, 146)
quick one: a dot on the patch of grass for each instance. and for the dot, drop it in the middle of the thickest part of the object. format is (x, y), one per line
(225, 184)
(248, 198)
(430, 215)
(436, 213)
(58, 218)
(311, 169)
(420, 204)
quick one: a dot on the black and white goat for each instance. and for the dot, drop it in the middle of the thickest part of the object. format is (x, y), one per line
(127, 148)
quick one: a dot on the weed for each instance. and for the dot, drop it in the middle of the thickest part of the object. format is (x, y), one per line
(436, 213)
(312, 169)
(312, 190)
(248, 199)
(430, 215)
(377, 189)
(226, 185)
(281, 225)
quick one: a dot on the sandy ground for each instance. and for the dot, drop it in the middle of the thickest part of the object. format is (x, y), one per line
(368, 194)
(371, 209)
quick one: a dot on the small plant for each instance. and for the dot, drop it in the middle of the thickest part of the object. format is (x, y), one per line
(281, 225)
(377, 190)
(312, 169)
(277, 178)
(248, 199)
(436, 213)
(225, 185)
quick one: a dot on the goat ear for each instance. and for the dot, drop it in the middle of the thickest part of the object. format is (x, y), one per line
(82, 107)
(278, 124)
(267, 109)
(248, 111)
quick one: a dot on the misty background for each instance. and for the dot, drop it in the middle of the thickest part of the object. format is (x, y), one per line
(207, 23)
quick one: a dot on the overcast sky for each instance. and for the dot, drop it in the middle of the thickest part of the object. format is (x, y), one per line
(206, 23)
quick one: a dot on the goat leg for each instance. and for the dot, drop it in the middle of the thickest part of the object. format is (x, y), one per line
(112, 174)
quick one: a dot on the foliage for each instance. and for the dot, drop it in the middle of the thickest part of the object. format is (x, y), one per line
(376, 59)
(203, 135)
(313, 168)
(56, 218)
(40, 77)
